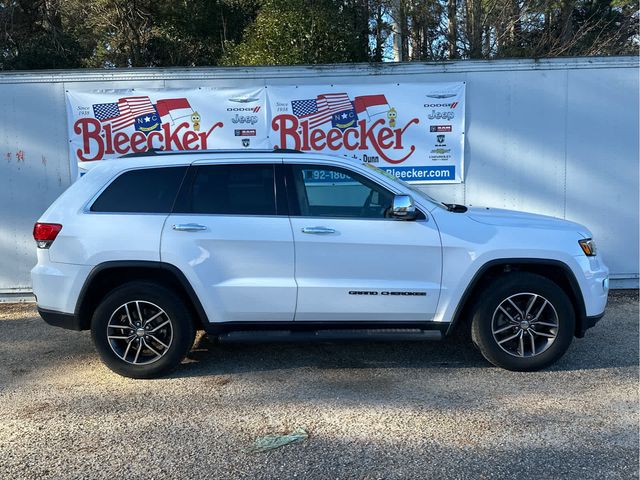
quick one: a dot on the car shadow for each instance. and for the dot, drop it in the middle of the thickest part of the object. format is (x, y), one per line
(210, 357)
(613, 343)
(29, 346)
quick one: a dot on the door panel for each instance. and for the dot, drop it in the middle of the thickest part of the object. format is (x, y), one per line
(367, 270)
(234, 245)
(241, 267)
(353, 263)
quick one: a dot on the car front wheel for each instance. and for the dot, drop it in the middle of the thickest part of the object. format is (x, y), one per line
(523, 322)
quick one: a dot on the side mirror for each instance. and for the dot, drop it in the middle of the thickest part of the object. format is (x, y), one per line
(403, 207)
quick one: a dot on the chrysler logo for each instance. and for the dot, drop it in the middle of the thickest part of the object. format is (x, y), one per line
(441, 95)
(244, 99)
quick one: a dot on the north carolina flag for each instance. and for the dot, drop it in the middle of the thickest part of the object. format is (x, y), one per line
(175, 107)
(372, 104)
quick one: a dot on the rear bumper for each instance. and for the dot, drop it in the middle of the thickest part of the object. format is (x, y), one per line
(57, 285)
(60, 319)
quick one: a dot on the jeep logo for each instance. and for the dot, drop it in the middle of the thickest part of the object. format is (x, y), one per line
(250, 119)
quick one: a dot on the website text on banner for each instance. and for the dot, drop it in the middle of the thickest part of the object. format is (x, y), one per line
(413, 131)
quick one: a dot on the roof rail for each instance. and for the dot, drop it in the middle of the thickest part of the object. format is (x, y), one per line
(159, 151)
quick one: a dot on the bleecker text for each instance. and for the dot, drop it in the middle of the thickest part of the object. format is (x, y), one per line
(99, 140)
(298, 135)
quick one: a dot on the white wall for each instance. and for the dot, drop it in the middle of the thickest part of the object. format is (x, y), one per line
(558, 137)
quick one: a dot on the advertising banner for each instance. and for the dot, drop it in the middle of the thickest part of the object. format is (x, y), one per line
(111, 123)
(413, 131)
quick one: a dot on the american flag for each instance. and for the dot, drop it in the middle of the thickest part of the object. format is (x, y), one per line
(123, 114)
(321, 109)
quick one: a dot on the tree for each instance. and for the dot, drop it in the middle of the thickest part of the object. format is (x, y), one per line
(380, 28)
(162, 32)
(452, 29)
(288, 32)
(119, 33)
(37, 34)
(32, 36)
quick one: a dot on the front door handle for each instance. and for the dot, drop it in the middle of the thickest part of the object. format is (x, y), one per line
(189, 227)
(318, 230)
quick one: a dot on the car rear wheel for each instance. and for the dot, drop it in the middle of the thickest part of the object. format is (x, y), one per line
(142, 330)
(523, 322)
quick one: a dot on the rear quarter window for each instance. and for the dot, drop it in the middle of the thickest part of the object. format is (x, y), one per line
(148, 190)
(234, 189)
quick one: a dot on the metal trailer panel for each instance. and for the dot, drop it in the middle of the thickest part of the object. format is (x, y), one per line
(513, 164)
(602, 164)
(552, 136)
(34, 171)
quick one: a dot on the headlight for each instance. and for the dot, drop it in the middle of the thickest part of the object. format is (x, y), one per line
(588, 247)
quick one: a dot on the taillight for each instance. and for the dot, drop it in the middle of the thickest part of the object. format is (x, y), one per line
(45, 233)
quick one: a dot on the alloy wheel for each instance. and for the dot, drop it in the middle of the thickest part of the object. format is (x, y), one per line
(525, 325)
(139, 332)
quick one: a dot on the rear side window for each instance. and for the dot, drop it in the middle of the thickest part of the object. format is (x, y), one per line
(230, 190)
(149, 190)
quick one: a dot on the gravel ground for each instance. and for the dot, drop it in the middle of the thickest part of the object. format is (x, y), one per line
(426, 410)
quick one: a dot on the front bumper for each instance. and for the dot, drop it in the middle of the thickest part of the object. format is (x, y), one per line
(60, 319)
(593, 277)
(587, 323)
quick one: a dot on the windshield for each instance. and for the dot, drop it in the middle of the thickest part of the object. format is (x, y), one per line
(420, 193)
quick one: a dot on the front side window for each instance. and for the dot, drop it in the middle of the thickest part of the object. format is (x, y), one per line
(406, 185)
(147, 190)
(230, 190)
(325, 191)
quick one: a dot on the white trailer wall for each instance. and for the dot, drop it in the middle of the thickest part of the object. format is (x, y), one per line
(557, 137)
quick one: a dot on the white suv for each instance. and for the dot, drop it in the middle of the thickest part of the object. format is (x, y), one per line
(282, 245)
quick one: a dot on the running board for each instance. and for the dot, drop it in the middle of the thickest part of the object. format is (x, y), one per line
(367, 335)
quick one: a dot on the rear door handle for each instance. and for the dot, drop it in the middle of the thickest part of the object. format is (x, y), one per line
(318, 230)
(189, 227)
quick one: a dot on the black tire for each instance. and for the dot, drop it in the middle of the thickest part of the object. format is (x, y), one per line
(492, 328)
(178, 334)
